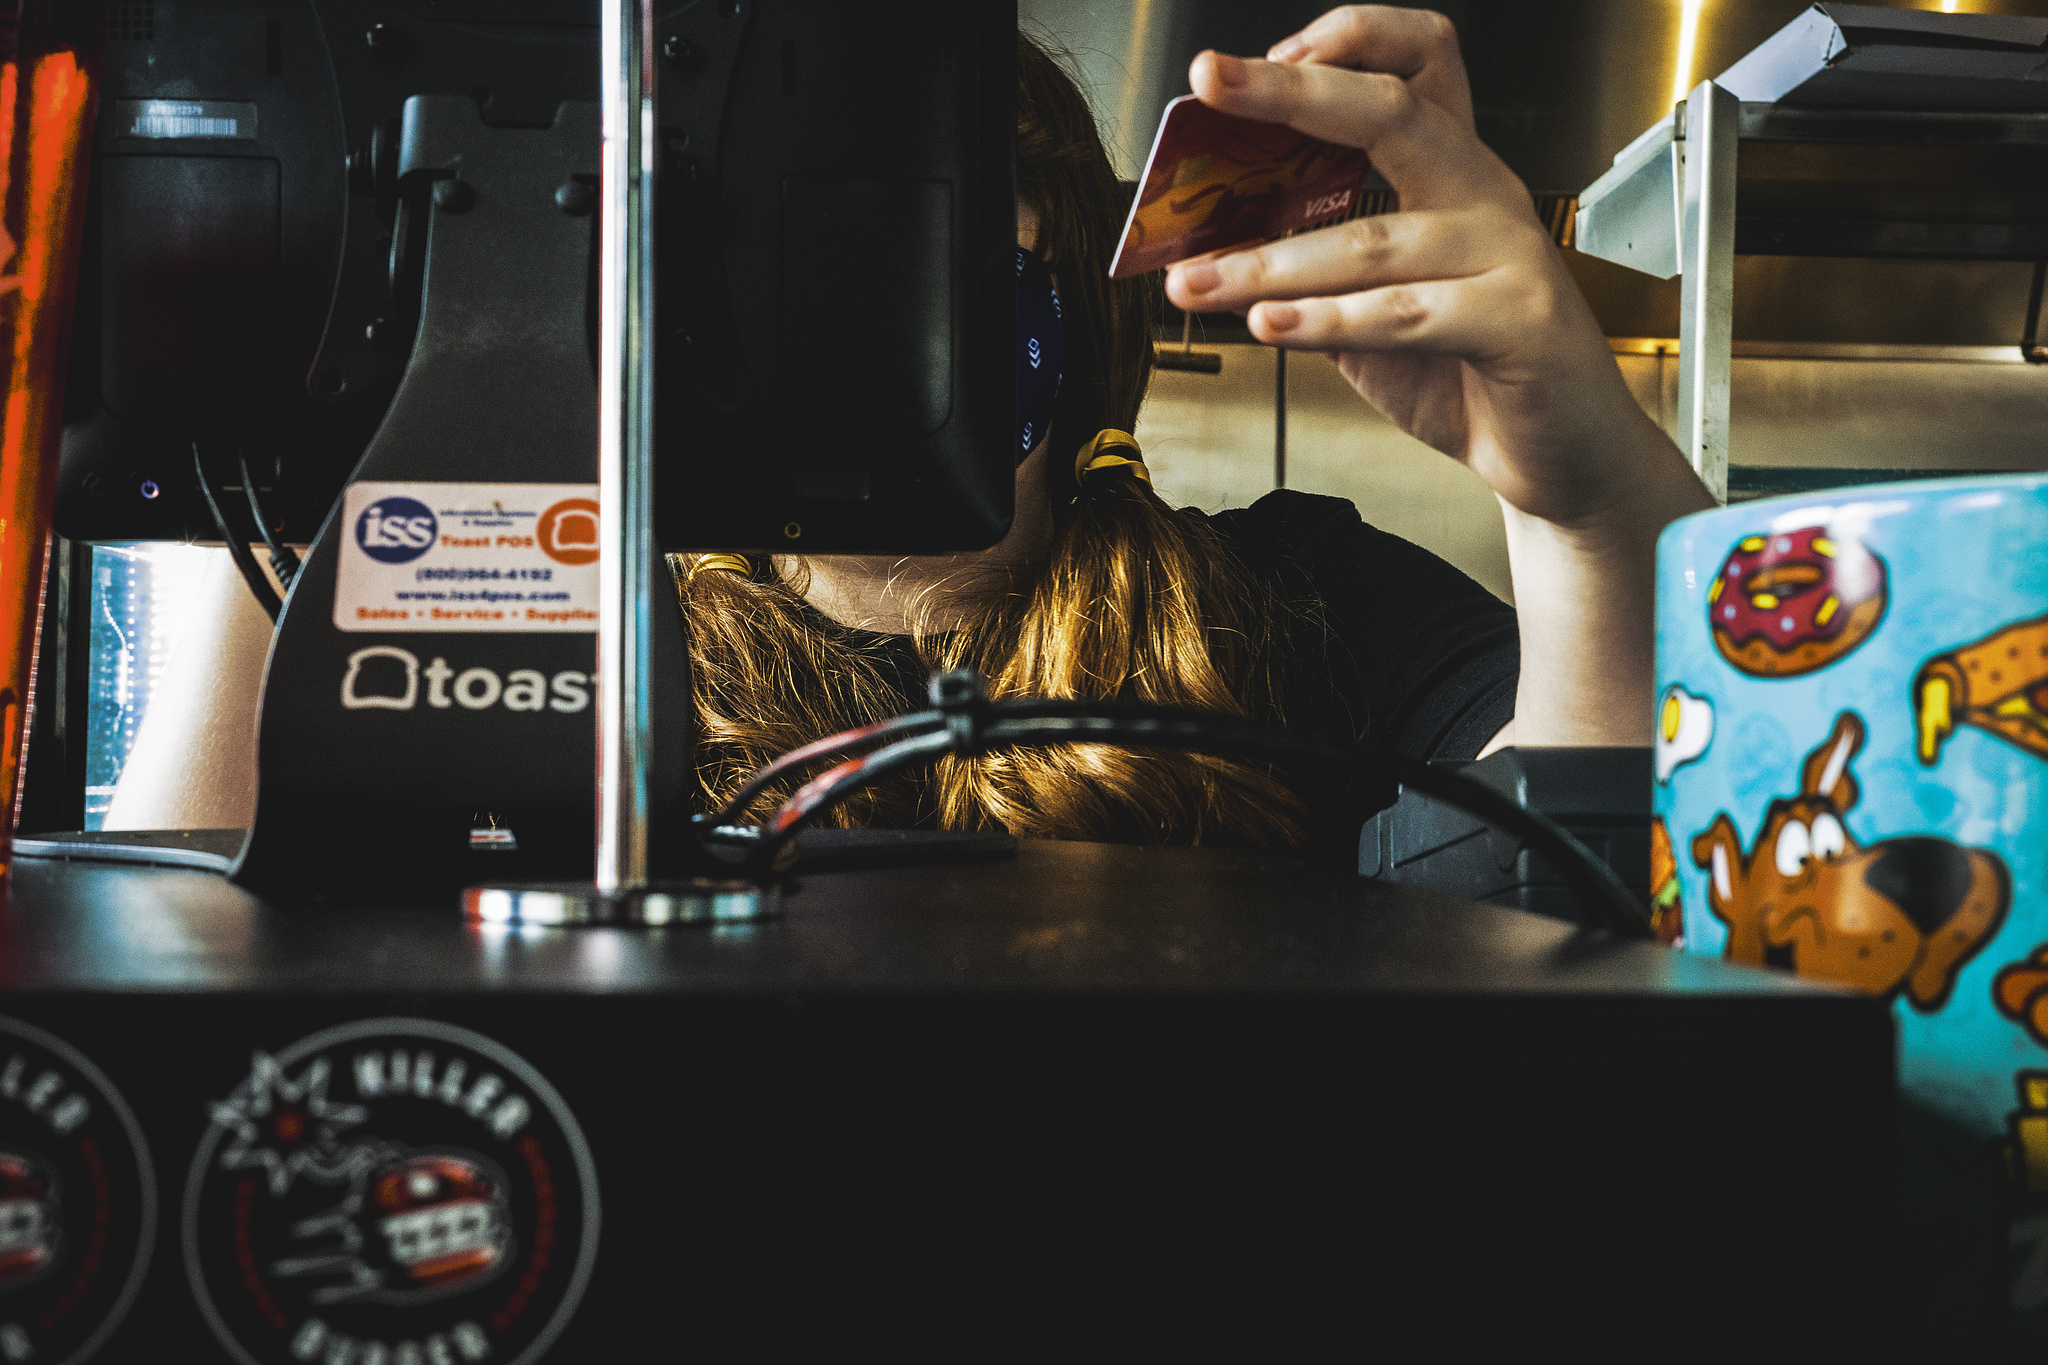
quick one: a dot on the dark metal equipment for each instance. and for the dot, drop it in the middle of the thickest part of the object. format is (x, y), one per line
(429, 173)
(499, 389)
(836, 278)
(1601, 795)
(251, 274)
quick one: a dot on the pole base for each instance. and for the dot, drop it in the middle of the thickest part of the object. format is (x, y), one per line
(699, 900)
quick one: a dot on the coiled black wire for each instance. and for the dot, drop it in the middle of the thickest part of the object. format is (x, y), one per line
(976, 726)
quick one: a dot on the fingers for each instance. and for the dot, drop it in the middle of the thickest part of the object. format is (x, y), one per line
(1419, 46)
(1394, 248)
(1422, 150)
(1479, 318)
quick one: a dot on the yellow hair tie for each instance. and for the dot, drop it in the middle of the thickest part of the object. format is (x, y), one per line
(722, 563)
(1095, 457)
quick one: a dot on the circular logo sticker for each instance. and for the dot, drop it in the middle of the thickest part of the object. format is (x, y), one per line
(390, 1192)
(567, 531)
(396, 530)
(77, 1200)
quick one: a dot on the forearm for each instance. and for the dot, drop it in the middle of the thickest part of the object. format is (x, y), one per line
(1456, 318)
(1586, 598)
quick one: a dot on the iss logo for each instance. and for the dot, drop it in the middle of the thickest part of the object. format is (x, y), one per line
(77, 1201)
(396, 530)
(390, 1192)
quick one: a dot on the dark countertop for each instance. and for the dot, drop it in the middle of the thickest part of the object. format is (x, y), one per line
(1180, 1091)
(1060, 917)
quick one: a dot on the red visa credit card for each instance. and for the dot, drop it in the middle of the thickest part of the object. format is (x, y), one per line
(1215, 180)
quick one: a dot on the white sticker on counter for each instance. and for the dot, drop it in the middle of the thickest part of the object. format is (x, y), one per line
(468, 556)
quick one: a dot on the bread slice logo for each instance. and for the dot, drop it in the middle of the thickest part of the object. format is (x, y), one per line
(1998, 683)
(1793, 602)
(1899, 915)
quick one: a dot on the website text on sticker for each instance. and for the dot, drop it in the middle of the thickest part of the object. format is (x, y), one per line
(1215, 180)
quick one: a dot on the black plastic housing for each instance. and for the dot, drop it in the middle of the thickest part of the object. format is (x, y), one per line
(836, 277)
(238, 287)
(1601, 795)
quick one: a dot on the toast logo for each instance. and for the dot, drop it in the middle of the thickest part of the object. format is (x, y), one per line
(77, 1201)
(396, 530)
(568, 533)
(387, 678)
(390, 1191)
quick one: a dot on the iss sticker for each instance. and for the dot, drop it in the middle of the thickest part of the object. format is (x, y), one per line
(77, 1201)
(468, 556)
(390, 1192)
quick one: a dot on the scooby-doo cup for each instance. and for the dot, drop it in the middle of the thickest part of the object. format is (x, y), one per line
(1851, 779)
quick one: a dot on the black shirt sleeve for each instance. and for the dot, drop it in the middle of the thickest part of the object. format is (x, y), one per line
(1420, 660)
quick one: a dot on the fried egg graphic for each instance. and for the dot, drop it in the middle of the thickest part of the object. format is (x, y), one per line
(1685, 725)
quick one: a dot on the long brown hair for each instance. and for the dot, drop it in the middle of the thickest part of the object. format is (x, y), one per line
(1134, 600)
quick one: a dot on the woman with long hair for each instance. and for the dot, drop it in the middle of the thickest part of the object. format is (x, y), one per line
(1454, 316)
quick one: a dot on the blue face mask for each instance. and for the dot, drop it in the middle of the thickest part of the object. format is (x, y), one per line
(1041, 351)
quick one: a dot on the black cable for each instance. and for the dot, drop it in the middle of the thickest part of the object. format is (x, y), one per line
(830, 747)
(284, 561)
(238, 549)
(2030, 351)
(1045, 721)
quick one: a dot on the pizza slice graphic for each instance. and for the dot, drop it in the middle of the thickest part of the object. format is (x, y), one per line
(1998, 683)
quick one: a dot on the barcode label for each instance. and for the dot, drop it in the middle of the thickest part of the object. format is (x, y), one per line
(187, 119)
(177, 125)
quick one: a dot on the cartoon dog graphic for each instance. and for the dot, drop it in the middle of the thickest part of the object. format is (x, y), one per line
(1903, 914)
(1998, 683)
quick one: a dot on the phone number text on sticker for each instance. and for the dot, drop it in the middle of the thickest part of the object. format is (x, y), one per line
(468, 557)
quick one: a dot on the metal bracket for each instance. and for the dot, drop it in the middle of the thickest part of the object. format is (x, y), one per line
(1631, 214)
(1668, 208)
(630, 631)
(1706, 315)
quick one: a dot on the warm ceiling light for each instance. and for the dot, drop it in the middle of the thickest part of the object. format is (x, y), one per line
(1688, 31)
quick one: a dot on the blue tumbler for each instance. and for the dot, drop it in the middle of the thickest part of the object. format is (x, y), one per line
(1851, 782)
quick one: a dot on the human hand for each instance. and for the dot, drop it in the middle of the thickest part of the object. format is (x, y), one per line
(1454, 316)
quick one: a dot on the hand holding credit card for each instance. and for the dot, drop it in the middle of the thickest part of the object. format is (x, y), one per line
(1215, 180)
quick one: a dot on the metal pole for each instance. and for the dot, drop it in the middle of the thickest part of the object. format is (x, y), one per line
(620, 893)
(1279, 417)
(625, 454)
(1706, 319)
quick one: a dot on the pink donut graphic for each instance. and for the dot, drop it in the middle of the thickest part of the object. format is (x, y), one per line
(1794, 601)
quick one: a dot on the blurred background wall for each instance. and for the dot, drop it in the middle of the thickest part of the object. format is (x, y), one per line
(1840, 363)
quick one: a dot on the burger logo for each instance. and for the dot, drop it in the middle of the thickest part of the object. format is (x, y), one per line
(31, 1219)
(77, 1201)
(390, 1192)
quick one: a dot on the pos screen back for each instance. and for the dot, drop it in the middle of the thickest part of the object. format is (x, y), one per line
(836, 277)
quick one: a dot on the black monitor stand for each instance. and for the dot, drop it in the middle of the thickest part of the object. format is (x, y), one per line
(378, 762)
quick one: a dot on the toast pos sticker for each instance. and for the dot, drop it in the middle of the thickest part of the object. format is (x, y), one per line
(468, 556)
(390, 1192)
(1215, 180)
